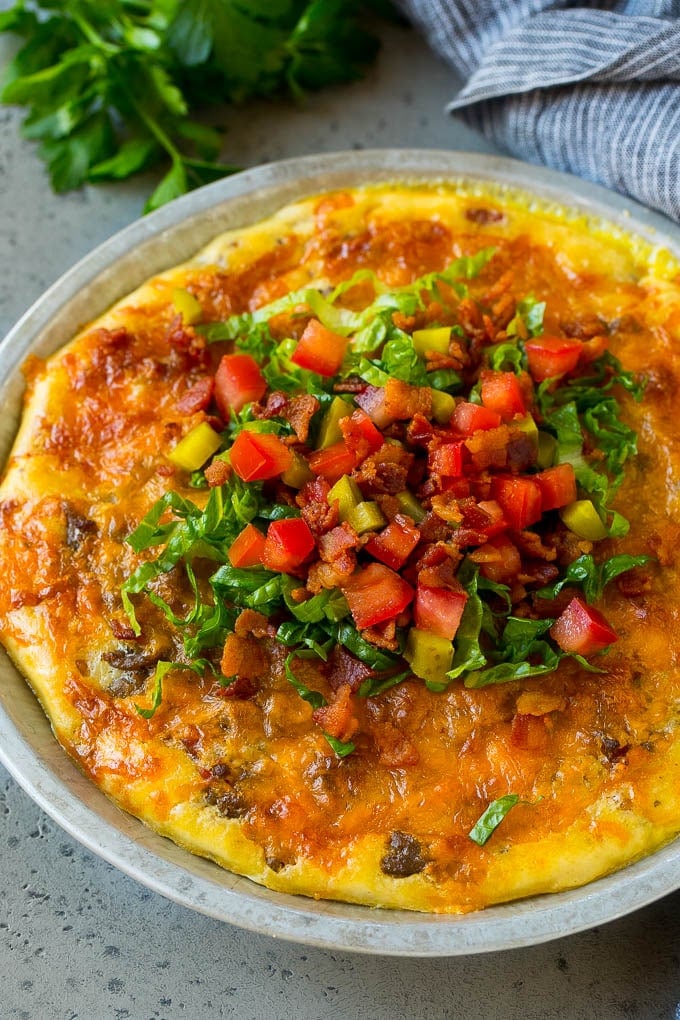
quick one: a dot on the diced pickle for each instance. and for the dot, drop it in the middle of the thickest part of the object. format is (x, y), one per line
(428, 655)
(582, 518)
(366, 516)
(547, 448)
(329, 430)
(443, 405)
(348, 496)
(192, 452)
(408, 504)
(436, 338)
(187, 305)
(298, 474)
(528, 426)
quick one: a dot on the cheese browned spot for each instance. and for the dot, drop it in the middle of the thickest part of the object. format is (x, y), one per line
(242, 773)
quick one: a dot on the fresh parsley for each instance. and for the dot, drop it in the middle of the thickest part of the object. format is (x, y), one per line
(112, 87)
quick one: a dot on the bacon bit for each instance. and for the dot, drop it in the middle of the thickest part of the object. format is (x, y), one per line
(313, 502)
(197, 397)
(122, 630)
(386, 470)
(299, 594)
(530, 543)
(419, 431)
(522, 450)
(490, 329)
(441, 573)
(446, 507)
(395, 749)
(276, 403)
(184, 339)
(593, 348)
(217, 473)
(352, 384)
(343, 669)
(403, 401)
(538, 573)
(299, 412)
(242, 657)
(484, 215)
(499, 560)
(336, 542)
(331, 575)
(587, 327)
(435, 360)
(383, 635)
(503, 310)
(470, 318)
(337, 717)
(489, 447)
(634, 582)
(249, 621)
(528, 733)
(241, 688)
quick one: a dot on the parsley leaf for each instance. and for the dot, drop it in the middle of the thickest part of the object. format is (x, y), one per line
(488, 822)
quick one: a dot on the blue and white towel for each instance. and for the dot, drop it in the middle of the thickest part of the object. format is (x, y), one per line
(590, 88)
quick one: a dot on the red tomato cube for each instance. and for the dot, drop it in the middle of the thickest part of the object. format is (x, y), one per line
(468, 418)
(557, 485)
(519, 498)
(238, 381)
(334, 462)
(288, 544)
(319, 349)
(447, 460)
(552, 356)
(501, 392)
(246, 549)
(259, 455)
(375, 593)
(439, 610)
(581, 629)
(395, 543)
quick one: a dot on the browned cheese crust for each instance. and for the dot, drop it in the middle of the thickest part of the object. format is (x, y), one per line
(251, 782)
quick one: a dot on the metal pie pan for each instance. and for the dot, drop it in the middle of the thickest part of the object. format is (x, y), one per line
(27, 746)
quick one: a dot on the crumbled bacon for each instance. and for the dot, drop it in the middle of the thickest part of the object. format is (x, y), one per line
(249, 621)
(383, 635)
(198, 396)
(489, 447)
(316, 511)
(299, 412)
(243, 657)
(334, 543)
(343, 669)
(385, 471)
(217, 473)
(331, 575)
(337, 717)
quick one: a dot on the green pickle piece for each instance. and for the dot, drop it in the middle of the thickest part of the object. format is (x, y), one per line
(298, 474)
(582, 518)
(428, 655)
(329, 430)
(193, 451)
(366, 516)
(348, 496)
(436, 338)
(408, 504)
(187, 305)
(528, 426)
(547, 448)
(443, 406)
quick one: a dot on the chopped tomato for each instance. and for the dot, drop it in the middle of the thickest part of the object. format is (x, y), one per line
(376, 593)
(395, 543)
(319, 349)
(259, 455)
(288, 544)
(372, 400)
(334, 462)
(468, 418)
(238, 381)
(581, 629)
(360, 433)
(501, 392)
(557, 485)
(497, 522)
(519, 498)
(552, 356)
(246, 549)
(447, 459)
(439, 610)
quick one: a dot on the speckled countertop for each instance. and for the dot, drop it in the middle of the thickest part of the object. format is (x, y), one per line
(80, 940)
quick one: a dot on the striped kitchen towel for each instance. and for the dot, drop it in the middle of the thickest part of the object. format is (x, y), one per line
(590, 88)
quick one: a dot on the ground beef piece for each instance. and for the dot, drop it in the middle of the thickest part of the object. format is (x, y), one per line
(404, 856)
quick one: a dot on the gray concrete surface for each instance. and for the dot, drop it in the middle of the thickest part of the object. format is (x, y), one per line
(80, 940)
